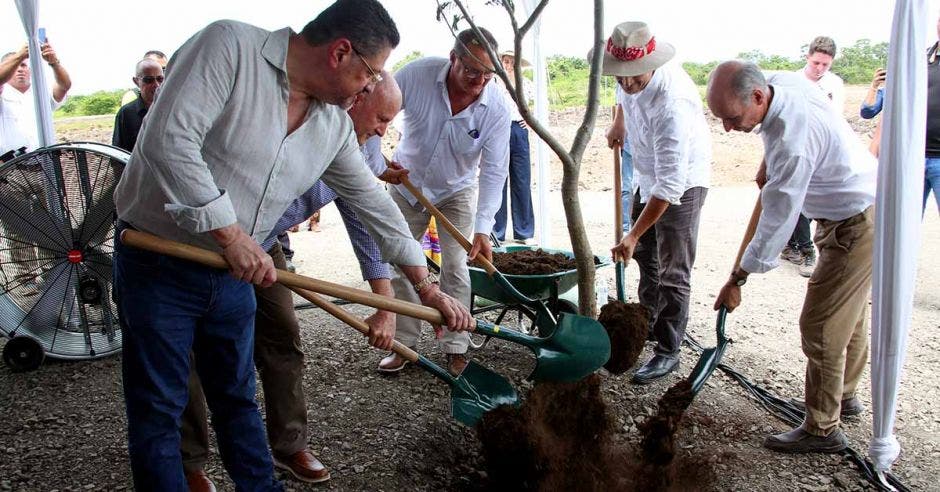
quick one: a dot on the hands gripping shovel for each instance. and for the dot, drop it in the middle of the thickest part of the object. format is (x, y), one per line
(567, 355)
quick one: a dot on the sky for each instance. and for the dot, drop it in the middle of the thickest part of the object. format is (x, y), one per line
(99, 41)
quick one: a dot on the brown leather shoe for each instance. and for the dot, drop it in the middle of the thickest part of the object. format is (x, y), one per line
(304, 466)
(198, 481)
(800, 441)
(456, 363)
(392, 363)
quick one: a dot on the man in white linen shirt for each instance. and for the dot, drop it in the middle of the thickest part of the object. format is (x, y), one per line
(456, 124)
(246, 121)
(815, 164)
(819, 56)
(672, 155)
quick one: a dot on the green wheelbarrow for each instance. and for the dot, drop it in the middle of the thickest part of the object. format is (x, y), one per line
(558, 291)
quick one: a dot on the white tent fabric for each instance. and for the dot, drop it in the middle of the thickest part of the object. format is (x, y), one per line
(897, 221)
(29, 14)
(543, 215)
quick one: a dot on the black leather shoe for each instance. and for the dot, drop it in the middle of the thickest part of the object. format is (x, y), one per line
(655, 368)
(800, 441)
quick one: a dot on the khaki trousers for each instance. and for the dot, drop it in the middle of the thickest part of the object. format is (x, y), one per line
(834, 321)
(279, 359)
(455, 276)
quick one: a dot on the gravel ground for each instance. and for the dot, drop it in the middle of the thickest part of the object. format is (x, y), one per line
(63, 426)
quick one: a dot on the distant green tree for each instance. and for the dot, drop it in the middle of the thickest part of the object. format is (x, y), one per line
(414, 55)
(770, 62)
(101, 102)
(699, 71)
(856, 63)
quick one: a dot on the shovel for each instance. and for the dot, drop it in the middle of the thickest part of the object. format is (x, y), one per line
(710, 357)
(578, 347)
(475, 391)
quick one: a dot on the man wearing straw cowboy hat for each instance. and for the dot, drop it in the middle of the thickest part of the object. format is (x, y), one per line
(672, 156)
(815, 165)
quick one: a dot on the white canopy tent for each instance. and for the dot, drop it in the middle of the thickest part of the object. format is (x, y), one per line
(897, 221)
(29, 14)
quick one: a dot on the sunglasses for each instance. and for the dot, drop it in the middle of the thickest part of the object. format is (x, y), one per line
(149, 79)
(374, 77)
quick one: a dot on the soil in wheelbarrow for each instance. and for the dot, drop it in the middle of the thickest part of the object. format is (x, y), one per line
(627, 326)
(532, 262)
(562, 438)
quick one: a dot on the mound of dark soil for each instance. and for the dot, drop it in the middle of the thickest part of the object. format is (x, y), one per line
(532, 262)
(560, 439)
(627, 325)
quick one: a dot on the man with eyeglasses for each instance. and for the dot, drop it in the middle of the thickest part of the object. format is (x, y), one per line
(456, 125)
(155, 55)
(127, 123)
(249, 120)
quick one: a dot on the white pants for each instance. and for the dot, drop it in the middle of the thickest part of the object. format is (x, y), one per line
(455, 276)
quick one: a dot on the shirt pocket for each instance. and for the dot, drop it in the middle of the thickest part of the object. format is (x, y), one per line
(466, 137)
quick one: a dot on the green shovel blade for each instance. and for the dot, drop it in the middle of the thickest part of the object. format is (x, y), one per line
(479, 390)
(576, 348)
(476, 391)
(710, 357)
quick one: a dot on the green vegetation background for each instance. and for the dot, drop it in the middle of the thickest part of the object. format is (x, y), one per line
(568, 77)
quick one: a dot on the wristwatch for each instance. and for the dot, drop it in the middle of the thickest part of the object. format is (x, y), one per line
(430, 279)
(738, 279)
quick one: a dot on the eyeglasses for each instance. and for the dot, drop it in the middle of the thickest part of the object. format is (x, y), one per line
(472, 73)
(374, 77)
(149, 79)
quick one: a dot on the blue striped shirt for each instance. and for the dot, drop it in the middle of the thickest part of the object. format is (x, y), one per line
(320, 195)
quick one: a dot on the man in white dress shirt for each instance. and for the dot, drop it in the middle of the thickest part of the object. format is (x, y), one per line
(455, 144)
(815, 164)
(672, 155)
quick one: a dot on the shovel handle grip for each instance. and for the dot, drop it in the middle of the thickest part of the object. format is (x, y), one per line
(167, 247)
(445, 223)
(351, 320)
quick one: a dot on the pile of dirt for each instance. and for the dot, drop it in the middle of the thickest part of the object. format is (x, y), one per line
(627, 325)
(561, 439)
(532, 262)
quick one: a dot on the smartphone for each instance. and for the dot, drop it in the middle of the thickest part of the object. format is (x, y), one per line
(42, 35)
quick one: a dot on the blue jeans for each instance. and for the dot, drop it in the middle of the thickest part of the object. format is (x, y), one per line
(801, 240)
(931, 181)
(626, 185)
(168, 306)
(519, 184)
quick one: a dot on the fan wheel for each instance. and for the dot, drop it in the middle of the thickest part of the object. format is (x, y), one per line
(22, 354)
(56, 246)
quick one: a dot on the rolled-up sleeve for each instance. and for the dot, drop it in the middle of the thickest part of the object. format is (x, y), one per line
(672, 132)
(782, 200)
(172, 142)
(494, 168)
(350, 178)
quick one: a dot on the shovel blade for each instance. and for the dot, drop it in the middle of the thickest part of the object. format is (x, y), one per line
(710, 357)
(578, 347)
(479, 390)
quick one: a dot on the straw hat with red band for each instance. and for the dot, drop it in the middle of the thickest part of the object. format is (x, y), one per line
(632, 50)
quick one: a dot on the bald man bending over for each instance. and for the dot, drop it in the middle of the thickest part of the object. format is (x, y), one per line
(818, 166)
(278, 354)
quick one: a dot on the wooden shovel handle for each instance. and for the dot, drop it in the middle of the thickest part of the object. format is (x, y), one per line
(446, 224)
(618, 197)
(351, 320)
(749, 233)
(167, 247)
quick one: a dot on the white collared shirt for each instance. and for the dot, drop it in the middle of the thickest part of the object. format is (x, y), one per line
(372, 154)
(672, 147)
(444, 152)
(815, 164)
(19, 119)
(831, 86)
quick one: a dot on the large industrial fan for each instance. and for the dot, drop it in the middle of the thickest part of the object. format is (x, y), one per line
(56, 243)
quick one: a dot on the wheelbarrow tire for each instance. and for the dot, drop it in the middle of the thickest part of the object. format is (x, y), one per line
(23, 354)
